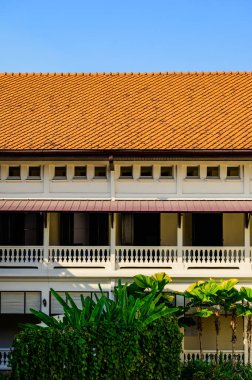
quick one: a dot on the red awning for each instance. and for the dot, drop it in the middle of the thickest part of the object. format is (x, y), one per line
(127, 205)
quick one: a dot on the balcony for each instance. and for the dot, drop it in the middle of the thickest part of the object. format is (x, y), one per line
(109, 258)
(111, 243)
(4, 359)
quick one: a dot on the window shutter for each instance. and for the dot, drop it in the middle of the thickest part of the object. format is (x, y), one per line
(12, 302)
(33, 301)
(56, 308)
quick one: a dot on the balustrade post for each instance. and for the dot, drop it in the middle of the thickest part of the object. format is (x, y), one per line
(180, 242)
(113, 241)
(247, 238)
(46, 238)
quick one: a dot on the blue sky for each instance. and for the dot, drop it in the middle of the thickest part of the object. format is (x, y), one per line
(112, 36)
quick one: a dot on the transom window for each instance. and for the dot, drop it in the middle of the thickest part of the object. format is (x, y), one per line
(193, 171)
(126, 172)
(166, 172)
(100, 171)
(146, 171)
(80, 171)
(34, 172)
(213, 172)
(14, 172)
(60, 172)
(233, 171)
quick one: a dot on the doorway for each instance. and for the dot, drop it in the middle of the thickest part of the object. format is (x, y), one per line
(207, 230)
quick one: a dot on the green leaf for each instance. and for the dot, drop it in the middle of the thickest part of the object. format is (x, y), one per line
(205, 313)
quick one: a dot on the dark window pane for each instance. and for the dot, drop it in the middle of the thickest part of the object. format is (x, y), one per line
(146, 171)
(80, 171)
(146, 229)
(233, 171)
(14, 171)
(66, 228)
(60, 171)
(192, 171)
(213, 171)
(100, 171)
(126, 171)
(12, 228)
(34, 171)
(99, 229)
(166, 171)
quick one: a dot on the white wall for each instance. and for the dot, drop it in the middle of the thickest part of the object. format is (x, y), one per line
(155, 188)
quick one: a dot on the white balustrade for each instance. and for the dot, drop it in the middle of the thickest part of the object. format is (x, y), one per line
(31, 256)
(79, 256)
(210, 355)
(159, 256)
(4, 359)
(213, 256)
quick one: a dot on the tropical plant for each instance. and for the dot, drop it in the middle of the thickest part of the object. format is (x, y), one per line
(142, 285)
(245, 310)
(124, 309)
(214, 298)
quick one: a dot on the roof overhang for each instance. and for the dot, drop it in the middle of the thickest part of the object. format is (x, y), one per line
(42, 205)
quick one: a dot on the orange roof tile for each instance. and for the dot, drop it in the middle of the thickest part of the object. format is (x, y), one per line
(126, 111)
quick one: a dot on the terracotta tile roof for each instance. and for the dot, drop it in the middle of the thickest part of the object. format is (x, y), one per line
(126, 111)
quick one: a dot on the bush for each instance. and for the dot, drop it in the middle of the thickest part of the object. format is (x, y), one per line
(99, 351)
(200, 370)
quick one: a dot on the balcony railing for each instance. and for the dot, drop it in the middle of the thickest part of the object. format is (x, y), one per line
(110, 258)
(79, 256)
(4, 359)
(31, 256)
(210, 355)
(213, 256)
(146, 256)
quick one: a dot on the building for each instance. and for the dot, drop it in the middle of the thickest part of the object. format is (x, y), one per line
(104, 176)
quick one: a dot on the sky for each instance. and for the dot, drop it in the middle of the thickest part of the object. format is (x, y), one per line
(125, 35)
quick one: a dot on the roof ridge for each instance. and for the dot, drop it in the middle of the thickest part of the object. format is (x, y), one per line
(126, 73)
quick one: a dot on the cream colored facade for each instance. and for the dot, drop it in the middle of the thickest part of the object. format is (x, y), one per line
(81, 263)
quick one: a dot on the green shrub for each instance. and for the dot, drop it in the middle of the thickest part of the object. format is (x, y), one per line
(200, 370)
(106, 351)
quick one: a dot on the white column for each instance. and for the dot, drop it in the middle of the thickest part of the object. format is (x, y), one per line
(247, 238)
(112, 185)
(46, 178)
(179, 178)
(46, 238)
(112, 241)
(180, 241)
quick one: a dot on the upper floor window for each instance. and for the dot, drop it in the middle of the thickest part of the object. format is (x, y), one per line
(100, 172)
(14, 172)
(193, 171)
(126, 172)
(60, 172)
(166, 172)
(213, 172)
(34, 172)
(233, 172)
(80, 171)
(146, 172)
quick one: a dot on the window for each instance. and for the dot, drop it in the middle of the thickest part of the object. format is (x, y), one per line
(166, 172)
(34, 172)
(146, 172)
(14, 172)
(80, 172)
(213, 172)
(60, 172)
(126, 172)
(100, 172)
(233, 172)
(193, 171)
